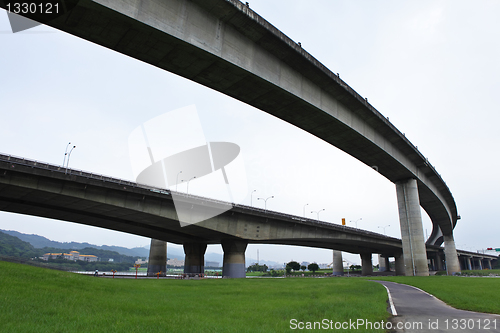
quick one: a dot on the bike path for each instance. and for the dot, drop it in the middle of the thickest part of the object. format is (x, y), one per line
(415, 310)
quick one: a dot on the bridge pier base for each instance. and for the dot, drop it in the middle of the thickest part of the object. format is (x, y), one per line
(366, 264)
(234, 259)
(194, 262)
(451, 256)
(412, 232)
(157, 258)
(399, 264)
(337, 266)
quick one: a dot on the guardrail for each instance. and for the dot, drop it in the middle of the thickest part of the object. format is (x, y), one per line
(267, 213)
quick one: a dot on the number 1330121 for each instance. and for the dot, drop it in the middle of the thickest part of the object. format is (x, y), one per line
(33, 8)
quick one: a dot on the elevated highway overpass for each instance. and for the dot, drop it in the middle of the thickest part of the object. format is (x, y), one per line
(226, 46)
(39, 189)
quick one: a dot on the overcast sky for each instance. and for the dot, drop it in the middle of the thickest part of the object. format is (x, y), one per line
(432, 67)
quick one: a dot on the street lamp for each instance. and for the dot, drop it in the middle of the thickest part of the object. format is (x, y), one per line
(69, 155)
(305, 209)
(177, 180)
(188, 184)
(251, 195)
(318, 212)
(384, 228)
(265, 202)
(65, 154)
(356, 222)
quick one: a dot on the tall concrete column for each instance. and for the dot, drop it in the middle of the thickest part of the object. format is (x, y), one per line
(337, 266)
(451, 256)
(157, 261)
(194, 260)
(439, 262)
(412, 232)
(469, 265)
(383, 264)
(489, 263)
(366, 264)
(399, 264)
(234, 259)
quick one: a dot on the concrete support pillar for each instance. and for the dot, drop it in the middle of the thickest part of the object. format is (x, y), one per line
(450, 253)
(480, 264)
(412, 232)
(157, 261)
(469, 265)
(383, 264)
(337, 266)
(439, 262)
(194, 260)
(399, 264)
(433, 261)
(366, 264)
(489, 263)
(234, 259)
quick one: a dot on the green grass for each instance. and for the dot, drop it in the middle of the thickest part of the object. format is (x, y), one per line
(39, 300)
(480, 294)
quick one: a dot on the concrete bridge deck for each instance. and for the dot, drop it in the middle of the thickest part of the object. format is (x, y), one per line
(224, 45)
(40, 189)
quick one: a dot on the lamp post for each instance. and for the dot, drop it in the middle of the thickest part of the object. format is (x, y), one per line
(265, 202)
(305, 209)
(65, 154)
(69, 155)
(384, 228)
(356, 222)
(188, 184)
(177, 180)
(317, 212)
(251, 195)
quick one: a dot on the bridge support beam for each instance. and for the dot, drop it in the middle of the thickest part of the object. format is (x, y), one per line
(412, 233)
(157, 258)
(194, 261)
(234, 259)
(399, 264)
(451, 256)
(337, 266)
(366, 264)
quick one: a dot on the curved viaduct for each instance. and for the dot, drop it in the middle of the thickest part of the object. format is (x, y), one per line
(39, 189)
(224, 45)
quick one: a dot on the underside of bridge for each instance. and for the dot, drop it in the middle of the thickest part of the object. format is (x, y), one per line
(224, 45)
(67, 195)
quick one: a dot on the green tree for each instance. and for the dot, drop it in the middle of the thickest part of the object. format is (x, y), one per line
(293, 265)
(313, 267)
(257, 268)
(303, 268)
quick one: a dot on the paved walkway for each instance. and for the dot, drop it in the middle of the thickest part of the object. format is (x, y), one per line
(415, 310)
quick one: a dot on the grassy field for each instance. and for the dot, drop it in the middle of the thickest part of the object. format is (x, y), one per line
(40, 300)
(481, 294)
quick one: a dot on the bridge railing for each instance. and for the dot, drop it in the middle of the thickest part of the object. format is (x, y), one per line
(265, 212)
(89, 175)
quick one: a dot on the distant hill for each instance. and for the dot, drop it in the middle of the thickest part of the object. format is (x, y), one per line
(14, 247)
(40, 242)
